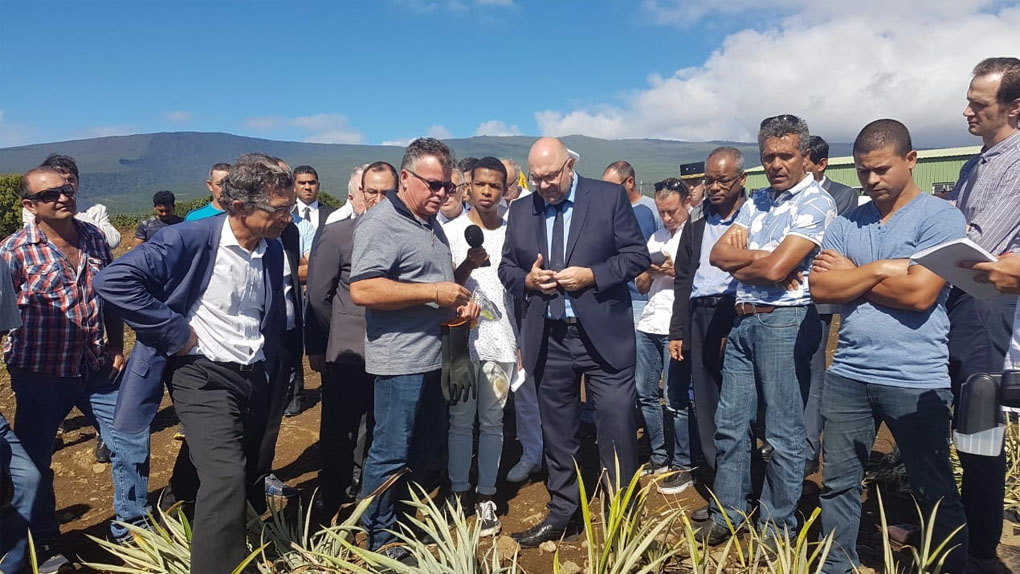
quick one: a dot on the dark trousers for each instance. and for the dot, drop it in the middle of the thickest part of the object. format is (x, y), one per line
(224, 413)
(979, 335)
(711, 321)
(568, 354)
(812, 410)
(281, 383)
(347, 415)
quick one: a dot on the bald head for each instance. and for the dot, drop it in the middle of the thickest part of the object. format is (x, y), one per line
(547, 151)
(551, 168)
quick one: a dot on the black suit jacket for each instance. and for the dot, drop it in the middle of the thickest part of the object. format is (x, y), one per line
(688, 259)
(334, 325)
(844, 196)
(324, 211)
(603, 236)
(291, 239)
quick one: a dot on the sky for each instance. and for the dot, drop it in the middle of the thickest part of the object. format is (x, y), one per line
(386, 71)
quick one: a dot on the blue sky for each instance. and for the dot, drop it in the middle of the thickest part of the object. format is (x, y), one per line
(387, 71)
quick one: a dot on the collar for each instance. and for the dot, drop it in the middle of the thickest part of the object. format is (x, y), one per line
(801, 186)
(570, 194)
(228, 239)
(33, 234)
(314, 206)
(824, 179)
(1012, 141)
(708, 210)
(401, 208)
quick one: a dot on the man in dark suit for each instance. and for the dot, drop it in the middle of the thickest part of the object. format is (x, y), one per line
(308, 206)
(570, 251)
(335, 335)
(205, 299)
(846, 199)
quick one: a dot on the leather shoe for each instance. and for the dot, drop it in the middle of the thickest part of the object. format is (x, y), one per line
(521, 471)
(544, 532)
(712, 533)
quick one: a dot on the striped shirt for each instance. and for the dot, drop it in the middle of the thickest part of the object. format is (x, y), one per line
(62, 331)
(988, 194)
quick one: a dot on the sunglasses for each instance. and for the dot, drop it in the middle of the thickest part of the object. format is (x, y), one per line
(670, 184)
(434, 185)
(53, 194)
(784, 118)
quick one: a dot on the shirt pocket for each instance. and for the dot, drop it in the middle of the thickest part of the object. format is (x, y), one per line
(44, 281)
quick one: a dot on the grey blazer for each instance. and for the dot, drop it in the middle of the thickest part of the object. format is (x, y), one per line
(844, 196)
(334, 326)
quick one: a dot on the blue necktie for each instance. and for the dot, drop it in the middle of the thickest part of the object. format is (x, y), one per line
(557, 303)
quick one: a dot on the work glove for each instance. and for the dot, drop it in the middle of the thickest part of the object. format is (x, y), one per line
(458, 378)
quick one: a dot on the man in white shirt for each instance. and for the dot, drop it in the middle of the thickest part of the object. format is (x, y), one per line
(347, 210)
(453, 206)
(306, 186)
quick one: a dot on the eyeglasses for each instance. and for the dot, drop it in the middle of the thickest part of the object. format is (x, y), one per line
(434, 185)
(724, 183)
(374, 193)
(535, 180)
(785, 118)
(276, 210)
(670, 184)
(53, 194)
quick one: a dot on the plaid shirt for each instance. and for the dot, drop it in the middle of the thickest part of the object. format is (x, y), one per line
(62, 332)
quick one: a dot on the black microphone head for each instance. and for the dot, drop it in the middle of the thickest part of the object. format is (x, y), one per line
(473, 235)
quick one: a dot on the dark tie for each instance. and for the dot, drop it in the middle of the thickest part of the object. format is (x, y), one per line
(557, 303)
(308, 213)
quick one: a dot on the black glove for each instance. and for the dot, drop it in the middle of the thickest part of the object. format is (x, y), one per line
(458, 381)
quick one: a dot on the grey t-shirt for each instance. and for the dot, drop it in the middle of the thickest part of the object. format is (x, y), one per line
(391, 242)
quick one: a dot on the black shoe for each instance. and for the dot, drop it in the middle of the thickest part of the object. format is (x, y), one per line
(810, 467)
(766, 452)
(677, 482)
(700, 514)
(712, 533)
(545, 532)
(102, 451)
(399, 553)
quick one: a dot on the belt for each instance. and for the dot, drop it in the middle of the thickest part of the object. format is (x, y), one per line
(744, 309)
(715, 300)
(572, 321)
(238, 367)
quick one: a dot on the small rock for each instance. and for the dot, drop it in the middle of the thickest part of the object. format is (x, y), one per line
(507, 547)
(98, 468)
(570, 567)
(547, 546)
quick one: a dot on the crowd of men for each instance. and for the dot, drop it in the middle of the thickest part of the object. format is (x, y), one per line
(442, 291)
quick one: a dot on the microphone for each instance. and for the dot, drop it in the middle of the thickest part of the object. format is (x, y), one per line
(473, 235)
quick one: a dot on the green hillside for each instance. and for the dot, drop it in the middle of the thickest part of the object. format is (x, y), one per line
(124, 171)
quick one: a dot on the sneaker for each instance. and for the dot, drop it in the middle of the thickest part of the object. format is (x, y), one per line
(652, 470)
(102, 451)
(276, 487)
(521, 471)
(179, 433)
(400, 554)
(51, 561)
(488, 522)
(676, 482)
(712, 533)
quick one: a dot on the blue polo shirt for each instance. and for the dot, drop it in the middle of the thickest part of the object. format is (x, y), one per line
(882, 345)
(208, 210)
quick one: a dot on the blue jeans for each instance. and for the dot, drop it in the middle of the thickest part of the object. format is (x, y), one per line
(919, 422)
(43, 402)
(493, 386)
(768, 362)
(25, 478)
(653, 364)
(410, 424)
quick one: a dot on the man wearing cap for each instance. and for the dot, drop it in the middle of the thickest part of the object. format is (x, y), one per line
(692, 175)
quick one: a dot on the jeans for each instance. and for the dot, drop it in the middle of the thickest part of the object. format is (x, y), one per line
(653, 364)
(919, 422)
(529, 422)
(768, 362)
(493, 386)
(14, 522)
(812, 410)
(410, 423)
(42, 404)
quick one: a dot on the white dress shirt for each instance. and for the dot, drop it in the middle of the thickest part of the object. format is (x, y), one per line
(227, 317)
(313, 211)
(346, 211)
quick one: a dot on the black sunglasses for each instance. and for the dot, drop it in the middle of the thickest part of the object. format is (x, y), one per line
(785, 118)
(434, 185)
(53, 194)
(670, 184)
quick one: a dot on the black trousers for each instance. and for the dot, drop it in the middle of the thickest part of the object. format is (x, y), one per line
(979, 335)
(281, 383)
(566, 356)
(711, 321)
(224, 413)
(345, 429)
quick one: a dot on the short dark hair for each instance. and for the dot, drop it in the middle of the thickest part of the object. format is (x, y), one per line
(23, 189)
(63, 164)
(818, 149)
(784, 125)
(164, 197)
(622, 169)
(492, 163)
(252, 180)
(378, 166)
(218, 167)
(881, 133)
(305, 169)
(467, 165)
(1009, 89)
(428, 147)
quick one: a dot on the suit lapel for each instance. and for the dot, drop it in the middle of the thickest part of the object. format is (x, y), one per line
(269, 263)
(577, 214)
(538, 205)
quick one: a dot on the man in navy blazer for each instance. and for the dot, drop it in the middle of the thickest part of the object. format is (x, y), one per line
(570, 250)
(205, 299)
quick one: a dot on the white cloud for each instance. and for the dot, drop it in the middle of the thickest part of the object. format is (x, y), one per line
(262, 123)
(439, 132)
(327, 128)
(838, 69)
(398, 143)
(497, 128)
(105, 131)
(177, 117)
